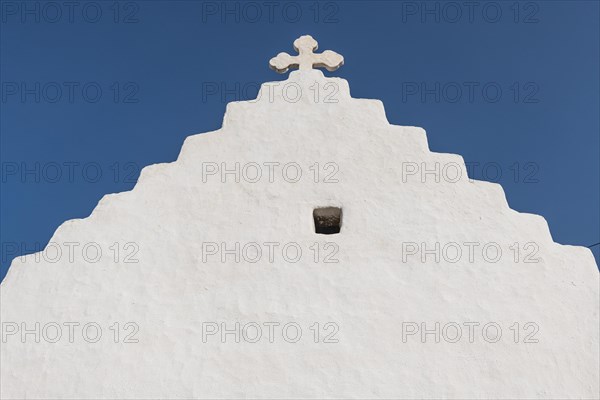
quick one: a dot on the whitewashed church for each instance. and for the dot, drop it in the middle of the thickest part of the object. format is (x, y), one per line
(307, 249)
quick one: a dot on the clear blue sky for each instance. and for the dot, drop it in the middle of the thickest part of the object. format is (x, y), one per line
(108, 88)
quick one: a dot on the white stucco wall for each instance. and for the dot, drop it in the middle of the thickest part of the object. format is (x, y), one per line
(373, 297)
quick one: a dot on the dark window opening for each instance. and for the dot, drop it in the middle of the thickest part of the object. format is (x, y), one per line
(328, 220)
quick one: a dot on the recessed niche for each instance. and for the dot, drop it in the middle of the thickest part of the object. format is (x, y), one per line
(328, 220)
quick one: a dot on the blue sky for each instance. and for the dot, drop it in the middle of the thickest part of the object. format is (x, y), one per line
(94, 91)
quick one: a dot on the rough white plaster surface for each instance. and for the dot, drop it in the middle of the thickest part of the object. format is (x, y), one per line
(370, 294)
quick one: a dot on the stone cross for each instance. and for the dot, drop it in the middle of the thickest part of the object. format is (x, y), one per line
(306, 59)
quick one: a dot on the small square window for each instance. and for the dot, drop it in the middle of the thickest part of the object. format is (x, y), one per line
(328, 220)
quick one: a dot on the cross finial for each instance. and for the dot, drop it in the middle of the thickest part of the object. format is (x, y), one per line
(306, 59)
